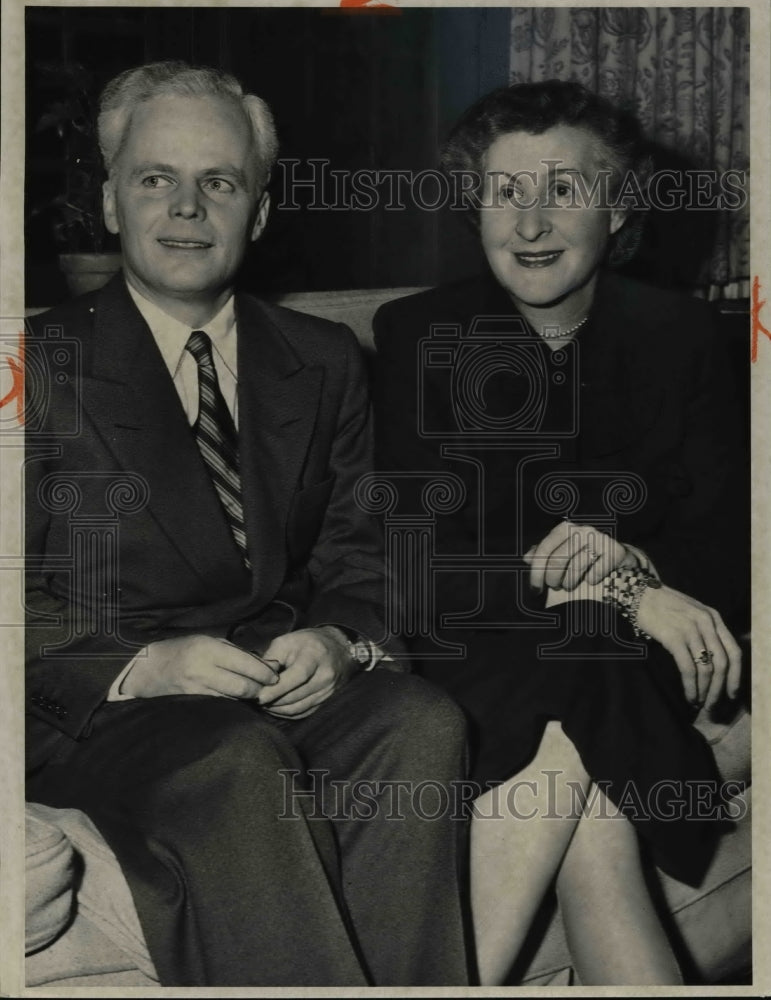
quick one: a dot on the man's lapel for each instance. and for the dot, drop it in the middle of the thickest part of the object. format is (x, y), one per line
(278, 399)
(132, 400)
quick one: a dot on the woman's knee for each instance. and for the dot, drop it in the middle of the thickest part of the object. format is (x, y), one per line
(557, 746)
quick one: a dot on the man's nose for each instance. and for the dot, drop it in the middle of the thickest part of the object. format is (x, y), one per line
(533, 222)
(187, 202)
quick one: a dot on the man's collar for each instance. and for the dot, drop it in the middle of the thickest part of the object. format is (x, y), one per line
(171, 335)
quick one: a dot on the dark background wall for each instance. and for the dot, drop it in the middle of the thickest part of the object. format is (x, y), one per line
(362, 89)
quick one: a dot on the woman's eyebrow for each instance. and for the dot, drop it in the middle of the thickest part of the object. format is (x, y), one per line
(565, 170)
(553, 167)
(513, 175)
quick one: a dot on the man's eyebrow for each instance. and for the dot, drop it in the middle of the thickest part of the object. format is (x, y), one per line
(224, 170)
(152, 168)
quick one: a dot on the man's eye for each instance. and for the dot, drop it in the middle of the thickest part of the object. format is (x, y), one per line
(155, 181)
(218, 185)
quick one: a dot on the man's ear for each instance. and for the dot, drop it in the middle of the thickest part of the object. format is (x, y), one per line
(261, 218)
(109, 208)
(618, 217)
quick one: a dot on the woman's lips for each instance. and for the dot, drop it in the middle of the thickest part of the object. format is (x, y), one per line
(544, 258)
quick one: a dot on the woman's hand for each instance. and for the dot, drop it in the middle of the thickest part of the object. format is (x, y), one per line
(706, 654)
(571, 553)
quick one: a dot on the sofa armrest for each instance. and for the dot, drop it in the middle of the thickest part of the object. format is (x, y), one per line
(91, 887)
(50, 880)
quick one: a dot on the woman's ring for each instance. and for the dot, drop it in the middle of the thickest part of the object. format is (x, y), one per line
(706, 656)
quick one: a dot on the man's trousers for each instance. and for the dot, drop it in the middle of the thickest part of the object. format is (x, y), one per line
(324, 851)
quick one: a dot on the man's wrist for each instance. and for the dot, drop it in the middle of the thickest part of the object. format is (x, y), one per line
(362, 651)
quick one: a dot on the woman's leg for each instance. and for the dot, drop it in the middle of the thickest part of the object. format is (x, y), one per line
(613, 932)
(526, 832)
(519, 835)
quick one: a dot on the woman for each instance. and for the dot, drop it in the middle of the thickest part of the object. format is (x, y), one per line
(591, 427)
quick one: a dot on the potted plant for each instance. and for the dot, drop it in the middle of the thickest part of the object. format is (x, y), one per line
(76, 211)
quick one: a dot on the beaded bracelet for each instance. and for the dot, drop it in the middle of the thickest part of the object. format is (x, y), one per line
(624, 588)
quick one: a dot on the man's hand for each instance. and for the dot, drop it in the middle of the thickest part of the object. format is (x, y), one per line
(686, 628)
(197, 664)
(315, 662)
(571, 553)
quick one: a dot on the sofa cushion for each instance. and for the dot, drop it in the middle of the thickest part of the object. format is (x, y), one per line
(731, 743)
(84, 955)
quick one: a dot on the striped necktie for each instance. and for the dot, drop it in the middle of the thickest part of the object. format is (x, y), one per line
(217, 439)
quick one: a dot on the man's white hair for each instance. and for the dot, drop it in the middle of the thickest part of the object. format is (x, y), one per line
(134, 86)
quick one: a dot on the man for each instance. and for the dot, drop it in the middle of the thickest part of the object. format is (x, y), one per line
(190, 504)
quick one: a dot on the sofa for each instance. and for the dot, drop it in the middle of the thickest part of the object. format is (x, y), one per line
(82, 929)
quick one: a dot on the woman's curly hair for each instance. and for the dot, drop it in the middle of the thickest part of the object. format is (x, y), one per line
(536, 107)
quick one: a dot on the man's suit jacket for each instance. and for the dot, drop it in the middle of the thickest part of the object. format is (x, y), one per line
(120, 508)
(654, 395)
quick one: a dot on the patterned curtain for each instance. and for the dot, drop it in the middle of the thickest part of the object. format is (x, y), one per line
(683, 70)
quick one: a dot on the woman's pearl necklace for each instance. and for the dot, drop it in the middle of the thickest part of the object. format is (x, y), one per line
(556, 334)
